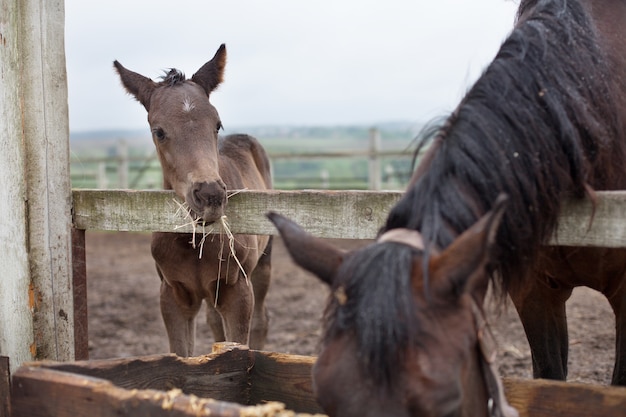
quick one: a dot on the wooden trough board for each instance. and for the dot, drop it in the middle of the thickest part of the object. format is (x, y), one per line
(236, 381)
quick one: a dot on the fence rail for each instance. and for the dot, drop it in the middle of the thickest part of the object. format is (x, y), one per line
(328, 214)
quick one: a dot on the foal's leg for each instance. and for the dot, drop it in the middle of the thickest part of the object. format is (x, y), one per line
(235, 303)
(214, 319)
(542, 311)
(179, 309)
(260, 279)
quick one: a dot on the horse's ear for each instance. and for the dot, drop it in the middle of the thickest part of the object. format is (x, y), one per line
(311, 253)
(460, 268)
(211, 74)
(136, 84)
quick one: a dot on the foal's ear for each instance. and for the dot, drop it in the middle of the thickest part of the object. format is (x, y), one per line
(136, 84)
(460, 267)
(311, 253)
(211, 74)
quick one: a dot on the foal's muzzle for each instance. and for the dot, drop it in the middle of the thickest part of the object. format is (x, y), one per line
(207, 199)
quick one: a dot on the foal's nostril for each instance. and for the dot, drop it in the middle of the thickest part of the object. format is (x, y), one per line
(208, 194)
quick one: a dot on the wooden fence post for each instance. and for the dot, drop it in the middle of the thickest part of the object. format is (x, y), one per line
(374, 160)
(36, 286)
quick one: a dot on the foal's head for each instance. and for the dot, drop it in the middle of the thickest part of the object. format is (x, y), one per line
(184, 126)
(403, 326)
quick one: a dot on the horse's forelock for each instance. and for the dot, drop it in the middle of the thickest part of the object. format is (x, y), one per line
(173, 77)
(376, 306)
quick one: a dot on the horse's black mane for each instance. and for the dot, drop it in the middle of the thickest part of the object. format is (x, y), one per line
(533, 126)
(173, 77)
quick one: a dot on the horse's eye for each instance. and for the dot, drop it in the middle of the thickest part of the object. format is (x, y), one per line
(159, 134)
(219, 127)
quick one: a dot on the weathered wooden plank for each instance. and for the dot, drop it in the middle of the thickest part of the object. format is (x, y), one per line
(71, 389)
(157, 386)
(40, 392)
(79, 284)
(34, 159)
(16, 327)
(543, 398)
(5, 387)
(284, 378)
(223, 377)
(332, 214)
(45, 127)
(582, 224)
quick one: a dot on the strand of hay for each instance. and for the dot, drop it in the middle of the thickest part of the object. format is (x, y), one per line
(197, 223)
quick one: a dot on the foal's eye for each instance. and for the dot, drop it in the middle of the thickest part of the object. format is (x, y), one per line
(219, 127)
(159, 134)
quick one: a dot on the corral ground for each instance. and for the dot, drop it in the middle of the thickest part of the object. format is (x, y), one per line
(125, 320)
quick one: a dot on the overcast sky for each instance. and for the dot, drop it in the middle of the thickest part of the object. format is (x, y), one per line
(290, 62)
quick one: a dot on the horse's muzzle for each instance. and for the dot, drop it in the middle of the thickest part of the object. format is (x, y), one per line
(207, 200)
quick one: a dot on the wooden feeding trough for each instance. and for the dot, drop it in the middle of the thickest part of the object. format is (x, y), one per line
(236, 381)
(232, 381)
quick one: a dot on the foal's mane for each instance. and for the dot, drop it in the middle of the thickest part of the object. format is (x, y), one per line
(173, 77)
(534, 126)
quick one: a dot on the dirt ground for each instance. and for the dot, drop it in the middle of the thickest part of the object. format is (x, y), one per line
(125, 320)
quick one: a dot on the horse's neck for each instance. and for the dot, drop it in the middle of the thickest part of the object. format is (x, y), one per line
(167, 185)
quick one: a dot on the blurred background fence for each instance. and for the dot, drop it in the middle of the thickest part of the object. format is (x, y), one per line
(358, 165)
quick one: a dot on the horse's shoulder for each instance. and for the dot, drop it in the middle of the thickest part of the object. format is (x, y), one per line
(246, 153)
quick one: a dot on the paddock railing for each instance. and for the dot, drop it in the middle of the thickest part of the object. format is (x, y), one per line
(323, 213)
(327, 214)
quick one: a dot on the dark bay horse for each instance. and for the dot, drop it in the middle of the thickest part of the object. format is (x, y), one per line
(201, 167)
(546, 121)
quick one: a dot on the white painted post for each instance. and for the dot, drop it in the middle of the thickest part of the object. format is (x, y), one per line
(122, 163)
(325, 176)
(36, 299)
(374, 160)
(101, 176)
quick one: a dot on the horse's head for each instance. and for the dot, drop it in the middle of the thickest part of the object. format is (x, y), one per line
(404, 334)
(185, 127)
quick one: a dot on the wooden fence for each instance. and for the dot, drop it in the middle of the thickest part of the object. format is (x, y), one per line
(35, 288)
(327, 214)
(123, 171)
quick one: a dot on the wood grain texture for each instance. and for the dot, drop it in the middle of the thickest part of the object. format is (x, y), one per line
(215, 385)
(224, 376)
(5, 386)
(543, 398)
(284, 378)
(168, 385)
(338, 214)
(329, 214)
(79, 286)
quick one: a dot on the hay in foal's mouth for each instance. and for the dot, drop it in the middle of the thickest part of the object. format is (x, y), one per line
(220, 228)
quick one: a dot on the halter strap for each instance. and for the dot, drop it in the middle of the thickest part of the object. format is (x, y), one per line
(498, 405)
(408, 237)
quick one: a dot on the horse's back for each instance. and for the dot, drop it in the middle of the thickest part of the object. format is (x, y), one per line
(244, 162)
